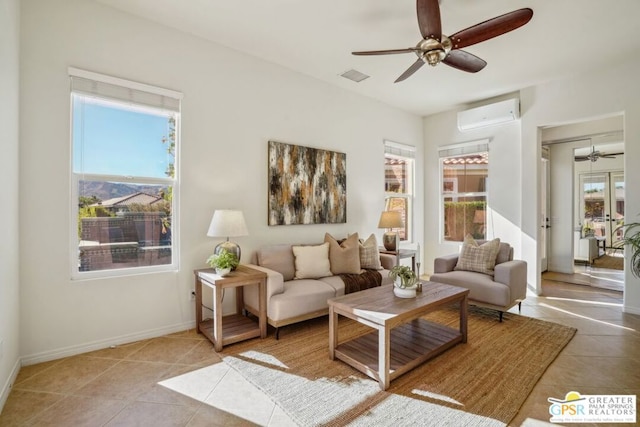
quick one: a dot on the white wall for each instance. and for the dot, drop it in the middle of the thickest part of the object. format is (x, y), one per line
(9, 261)
(503, 218)
(595, 94)
(233, 104)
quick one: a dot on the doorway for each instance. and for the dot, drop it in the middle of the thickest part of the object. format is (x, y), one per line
(582, 203)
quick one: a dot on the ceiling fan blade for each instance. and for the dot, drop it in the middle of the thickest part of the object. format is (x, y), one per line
(429, 19)
(491, 28)
(415, 67)
(385, 52)
(610, 155)
(464, 61)
(581, 158)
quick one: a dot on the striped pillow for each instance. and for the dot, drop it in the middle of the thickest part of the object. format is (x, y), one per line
(479, 258)
(369, 254)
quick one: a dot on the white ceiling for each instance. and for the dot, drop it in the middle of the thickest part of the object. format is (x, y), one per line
(316, 38)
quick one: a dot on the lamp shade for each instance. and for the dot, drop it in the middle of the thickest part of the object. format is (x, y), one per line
(390, 219)
(227, 223)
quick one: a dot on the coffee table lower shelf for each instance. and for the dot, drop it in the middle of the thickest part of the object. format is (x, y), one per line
(235, 328)
(412, 344)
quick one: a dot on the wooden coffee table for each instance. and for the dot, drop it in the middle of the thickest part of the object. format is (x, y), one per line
(403, 340)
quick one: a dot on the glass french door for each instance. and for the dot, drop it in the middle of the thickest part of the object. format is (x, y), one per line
(602, 204)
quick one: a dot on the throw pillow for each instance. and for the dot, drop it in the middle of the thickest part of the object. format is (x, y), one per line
(369, 254)
(312, 262)
(479, 258)
(344, 256)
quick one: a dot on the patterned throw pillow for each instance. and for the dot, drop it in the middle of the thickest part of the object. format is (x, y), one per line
(312, 262)
(369, 254)
(344, 255)
(479, 258)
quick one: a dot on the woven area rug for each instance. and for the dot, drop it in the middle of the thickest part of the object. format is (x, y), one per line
(483, 382)
(608, 261)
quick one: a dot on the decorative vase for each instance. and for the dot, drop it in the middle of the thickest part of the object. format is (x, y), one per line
(222, 271)
(409, 292)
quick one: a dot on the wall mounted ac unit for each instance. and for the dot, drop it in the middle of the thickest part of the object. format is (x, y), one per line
(489, 115)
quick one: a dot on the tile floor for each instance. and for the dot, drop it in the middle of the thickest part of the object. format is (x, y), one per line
(178, 380)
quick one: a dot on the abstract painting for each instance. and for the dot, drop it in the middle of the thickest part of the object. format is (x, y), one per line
(306, 185)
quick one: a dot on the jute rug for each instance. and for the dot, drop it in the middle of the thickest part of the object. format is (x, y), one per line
(608, 261)
(483, 382)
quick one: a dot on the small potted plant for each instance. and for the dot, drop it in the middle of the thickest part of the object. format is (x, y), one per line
(404, 281)
(223, 262)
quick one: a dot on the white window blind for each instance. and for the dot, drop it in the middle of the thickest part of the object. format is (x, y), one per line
(113, 88)
(462, 149)
(398, 149)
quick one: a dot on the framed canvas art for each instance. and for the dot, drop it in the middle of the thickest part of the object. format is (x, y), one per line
(306, 185)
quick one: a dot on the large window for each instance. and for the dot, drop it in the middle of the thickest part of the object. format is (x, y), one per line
(465, 171)
(399, 162)
(124, 176)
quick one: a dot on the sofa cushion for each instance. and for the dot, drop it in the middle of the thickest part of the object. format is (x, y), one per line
(300, 297)
(369, 253)
(279, 258)
(312, 262)
(344, 256)
(479, 258)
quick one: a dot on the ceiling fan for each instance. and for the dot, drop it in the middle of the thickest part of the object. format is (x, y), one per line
(595, 155)
(435, 47)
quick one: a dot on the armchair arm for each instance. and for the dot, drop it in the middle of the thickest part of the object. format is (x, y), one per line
(513, 274)
(445, 263)
(387, 261)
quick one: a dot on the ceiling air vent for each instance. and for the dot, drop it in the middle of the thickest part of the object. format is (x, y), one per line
(354, 75)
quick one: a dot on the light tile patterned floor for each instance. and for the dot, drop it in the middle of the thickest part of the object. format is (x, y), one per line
(179, 380)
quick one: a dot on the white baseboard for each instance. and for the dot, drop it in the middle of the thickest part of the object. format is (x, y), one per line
(630, 310)
(100, 344)
(8, 385)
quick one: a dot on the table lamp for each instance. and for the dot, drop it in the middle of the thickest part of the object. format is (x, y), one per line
(227, 223)
(390, 220)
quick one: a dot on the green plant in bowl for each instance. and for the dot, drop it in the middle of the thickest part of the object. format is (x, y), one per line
(223, 260)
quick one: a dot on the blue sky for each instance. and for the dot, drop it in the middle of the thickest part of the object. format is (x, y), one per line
(115, 141)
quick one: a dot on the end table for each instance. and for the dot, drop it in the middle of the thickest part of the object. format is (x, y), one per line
(223, 330)
(402, 253)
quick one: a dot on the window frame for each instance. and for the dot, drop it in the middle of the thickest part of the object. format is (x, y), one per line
(404, 152)
(453, 151)
(76, 177)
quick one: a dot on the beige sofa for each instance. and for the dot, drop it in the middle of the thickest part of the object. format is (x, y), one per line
(291, 300)
(500, 291)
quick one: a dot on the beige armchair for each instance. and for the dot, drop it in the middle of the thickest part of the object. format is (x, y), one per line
(506, 288)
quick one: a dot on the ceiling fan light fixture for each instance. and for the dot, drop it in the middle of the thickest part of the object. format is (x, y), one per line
(433, 57)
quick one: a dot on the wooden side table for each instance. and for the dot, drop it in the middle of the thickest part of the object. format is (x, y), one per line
(223, 330)
(402, 253)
